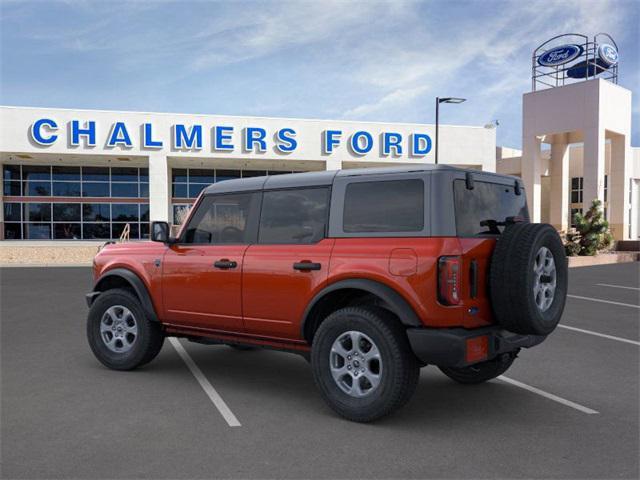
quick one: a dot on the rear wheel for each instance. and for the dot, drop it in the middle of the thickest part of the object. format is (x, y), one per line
(119, 332)
(480, 372)
(362, 363)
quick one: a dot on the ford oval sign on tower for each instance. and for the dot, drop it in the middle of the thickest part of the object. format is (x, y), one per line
(560, 55)
(608, 54)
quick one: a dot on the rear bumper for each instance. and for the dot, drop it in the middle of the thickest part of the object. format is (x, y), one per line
(457, 347)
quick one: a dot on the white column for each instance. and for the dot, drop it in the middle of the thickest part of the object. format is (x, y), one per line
(333, 164)
(619, 185)
(531, 172)
(593, 166)
(159, 187)
(559, 211)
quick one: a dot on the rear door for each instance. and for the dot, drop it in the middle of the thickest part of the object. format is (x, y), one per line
(202, 273)
(289, 263)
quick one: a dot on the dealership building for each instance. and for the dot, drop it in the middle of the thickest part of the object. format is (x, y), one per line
(92, 175)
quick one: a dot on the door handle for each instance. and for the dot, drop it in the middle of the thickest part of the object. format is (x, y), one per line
(306, 265)
(225, 264)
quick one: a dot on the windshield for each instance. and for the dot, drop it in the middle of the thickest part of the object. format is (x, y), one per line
(486, 202)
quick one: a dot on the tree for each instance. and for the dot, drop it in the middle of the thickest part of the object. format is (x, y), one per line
(591, 233)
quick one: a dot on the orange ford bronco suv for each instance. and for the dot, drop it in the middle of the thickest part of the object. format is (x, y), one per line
(370, 274)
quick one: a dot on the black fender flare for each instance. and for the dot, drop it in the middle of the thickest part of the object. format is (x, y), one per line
(396, 303)
(134, 281)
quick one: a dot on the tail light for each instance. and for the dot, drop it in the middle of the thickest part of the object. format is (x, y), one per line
(449, 280)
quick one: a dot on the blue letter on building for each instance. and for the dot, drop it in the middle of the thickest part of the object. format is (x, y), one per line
(286, 141)
(421, 144)
(147, 138)
(330, 140)
(89, 131)
(355, 142)
(36, 132)
(182, 139)
(255, 135)
(221, 137)
(391, 140)
(119, 136)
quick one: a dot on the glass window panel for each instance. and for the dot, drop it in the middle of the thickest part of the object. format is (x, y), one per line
(70, 231)
(37, 212)
(124, 190)
(144, 212)
(179, 175)
(575, 183)
(144, 230)
(223, 219)
(95, 231)
(200, 175)
(66, 173)
(37, 189)
(12, 212)
(118, 228)
(144, 174)
(487, 201)
(124, 212)
(12, 189)
(95, 174)
(385, 206)
(66, 189)
(124, 174)
(179, 190)
(575, 198)
(222, 175)
(195, 189)
(11, 172)
(144, 190)
(95, 189)
(36, 172)
(96, 212)
(180, 213)
(12, 231)
(66, 212)
(296, 216)
(37, 231)
(253, 173)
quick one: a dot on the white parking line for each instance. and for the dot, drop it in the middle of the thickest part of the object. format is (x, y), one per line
(604, 301)
(548, 395)
(610, 337)
(217, 400)
(616, 286)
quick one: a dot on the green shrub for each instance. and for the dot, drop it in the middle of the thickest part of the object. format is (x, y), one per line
(591, 234)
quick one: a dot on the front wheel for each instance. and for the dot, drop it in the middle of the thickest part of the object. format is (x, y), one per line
(363, 364)
(480, 372)
(119, 332)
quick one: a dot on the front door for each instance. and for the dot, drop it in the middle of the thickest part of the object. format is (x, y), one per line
(290, 262)
(202, 272)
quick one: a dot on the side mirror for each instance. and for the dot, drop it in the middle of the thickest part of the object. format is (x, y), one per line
(160, 232)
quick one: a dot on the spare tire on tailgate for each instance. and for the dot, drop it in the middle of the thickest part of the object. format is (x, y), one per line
(528, 278)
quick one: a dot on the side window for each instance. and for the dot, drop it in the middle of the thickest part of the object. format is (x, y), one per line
(384, 206)
(223, 219)
(296, 216)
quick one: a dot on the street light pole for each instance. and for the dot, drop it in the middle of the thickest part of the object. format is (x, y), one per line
(438, 102)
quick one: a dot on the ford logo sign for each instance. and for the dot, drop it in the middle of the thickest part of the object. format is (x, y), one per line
(608, 54)
(560, 55)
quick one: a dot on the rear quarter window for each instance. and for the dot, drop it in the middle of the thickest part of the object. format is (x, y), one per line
(486, 201)
(384, 206)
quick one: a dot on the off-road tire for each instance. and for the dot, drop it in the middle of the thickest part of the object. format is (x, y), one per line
(480, 372)
(511, 279)
(149, 340)
(399, 375)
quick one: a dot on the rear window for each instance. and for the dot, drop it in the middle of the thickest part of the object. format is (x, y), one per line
(384, 206)
(487, 201)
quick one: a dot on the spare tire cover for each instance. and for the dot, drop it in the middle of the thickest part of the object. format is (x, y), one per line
(528, 278)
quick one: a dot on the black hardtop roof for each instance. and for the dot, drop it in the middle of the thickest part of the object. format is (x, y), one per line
(315, 179)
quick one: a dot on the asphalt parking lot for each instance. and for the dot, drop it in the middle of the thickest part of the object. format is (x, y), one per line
(567, 409)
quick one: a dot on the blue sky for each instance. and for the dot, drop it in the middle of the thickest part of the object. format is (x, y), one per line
(368, 60)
